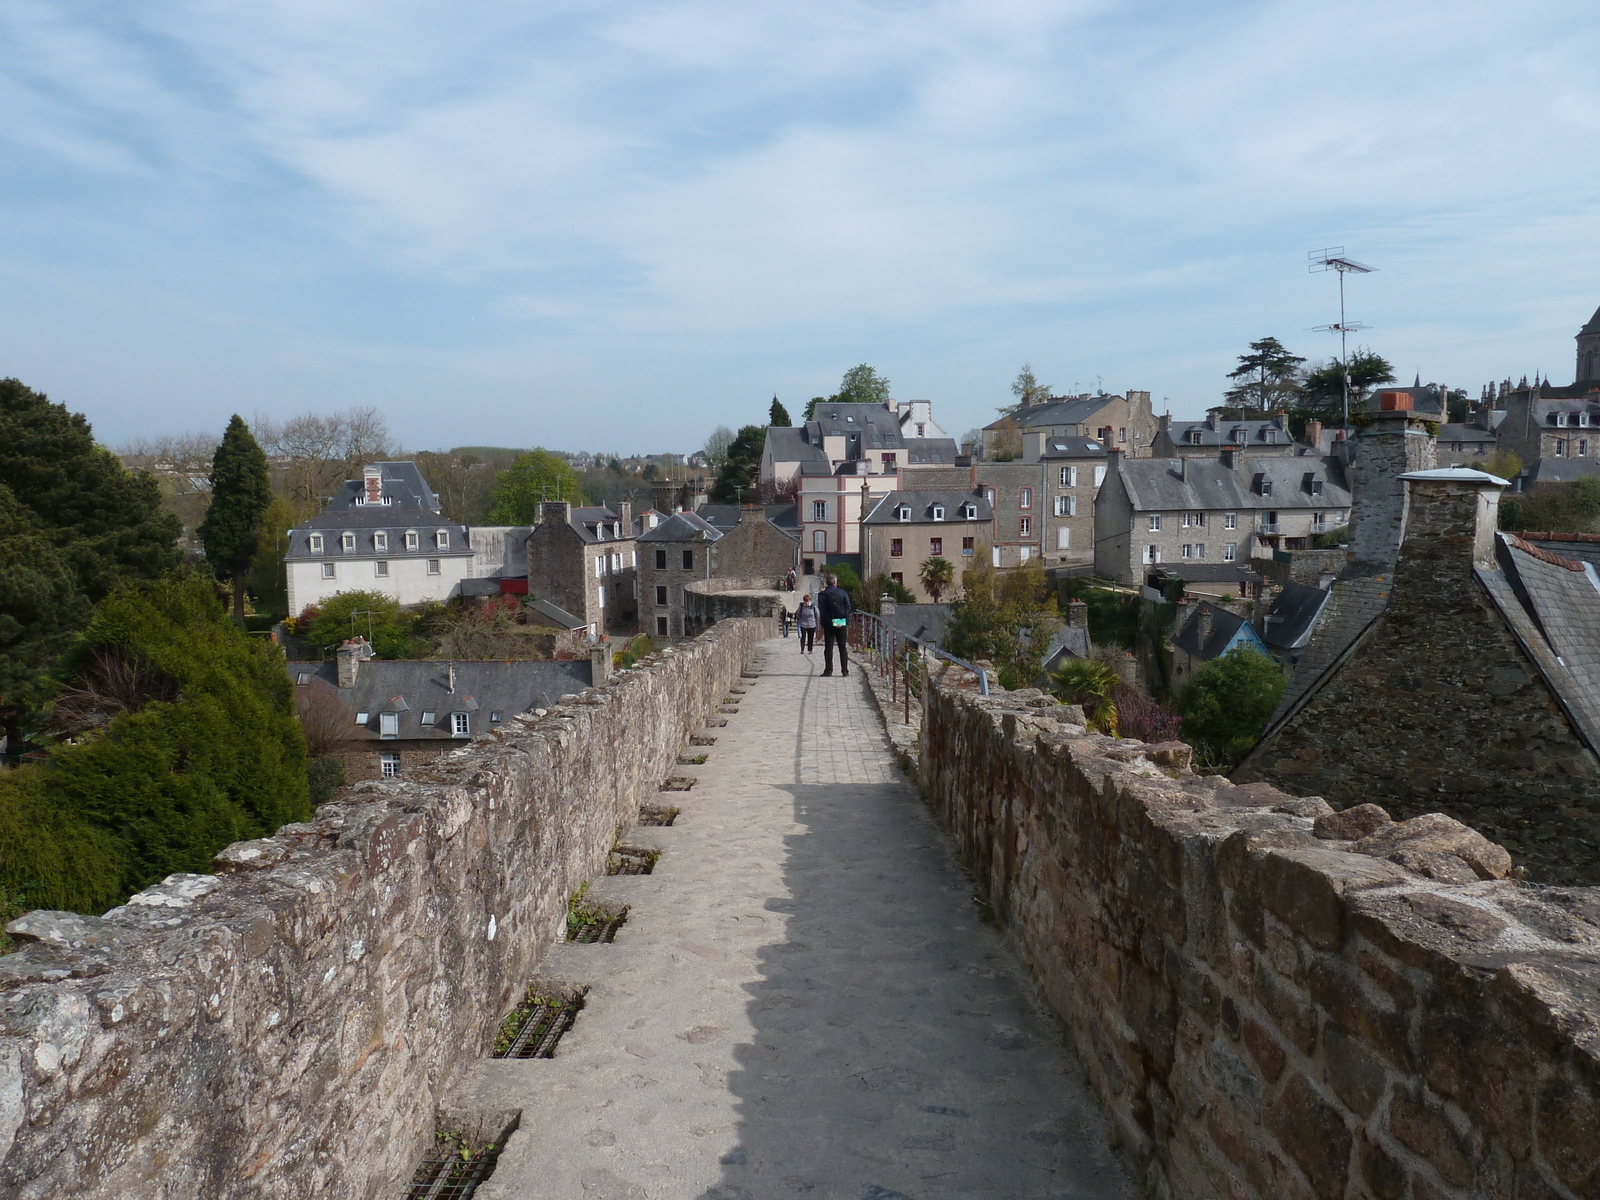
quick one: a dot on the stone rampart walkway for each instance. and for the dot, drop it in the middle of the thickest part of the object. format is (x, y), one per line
(803, 1001)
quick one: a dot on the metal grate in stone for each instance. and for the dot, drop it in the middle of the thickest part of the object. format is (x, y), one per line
(625, 860)
(445, 1175)
(596, 928)
(677, 783)
(651, 814)
(536, 1025)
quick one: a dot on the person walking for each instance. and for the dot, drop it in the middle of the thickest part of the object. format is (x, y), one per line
(790, 579)
(805, 617)
(833, 607)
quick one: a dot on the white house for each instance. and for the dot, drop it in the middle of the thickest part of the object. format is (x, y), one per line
(382, 533)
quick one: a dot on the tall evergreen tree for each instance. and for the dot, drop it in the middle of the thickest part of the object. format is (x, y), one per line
(1267, 378)
(778, 415)
(741, 469)
(241, 491)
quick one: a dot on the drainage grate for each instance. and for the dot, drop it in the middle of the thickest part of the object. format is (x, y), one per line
(590, 928)
(446, 1175)
(652, 815)
(702, 739)
(677, 783)
(536, 1025)
(628, 861)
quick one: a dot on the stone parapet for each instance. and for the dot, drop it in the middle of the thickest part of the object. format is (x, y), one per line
(286, 1027)
(1279, 1002)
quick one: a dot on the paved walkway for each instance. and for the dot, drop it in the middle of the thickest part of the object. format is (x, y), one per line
(803, 1001)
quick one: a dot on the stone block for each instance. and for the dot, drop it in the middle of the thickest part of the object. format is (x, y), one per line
(1419, 1126)
(1568, 1129)
(1352, 823)
(1356, 1075)
(1315, 1134)
(1265, 1050)
(1304, 806)
(1439, 834)
(1385, 1178)
(1305, 889)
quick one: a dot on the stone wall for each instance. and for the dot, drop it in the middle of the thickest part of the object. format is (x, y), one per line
(286, 1027)
(711, 600)
(1278, 1002)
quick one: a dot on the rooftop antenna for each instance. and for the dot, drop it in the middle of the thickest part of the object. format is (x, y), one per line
(1332, 258)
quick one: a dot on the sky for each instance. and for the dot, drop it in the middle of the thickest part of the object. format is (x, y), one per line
(614, 226)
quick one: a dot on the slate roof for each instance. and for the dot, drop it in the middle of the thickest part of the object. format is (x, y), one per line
(1425, 398)
(1292, 616)
(786, 444)
(1232, 433)
(1167, 485)
(1356, 599)
(1559, 470)
(371, 519)
(412, 687)
(1072, 447)
(1203, 572)
(1064, 641)
(876, 427)
(931, 451)
(929, 622)
(682, 527)
(1552, 605)
(1593, 325)
(1580, 547)
(921, 504)
(1224, 625)
(1463, 433)
(593, 524)
(557, 615)
(1075, 411)
(403, 487)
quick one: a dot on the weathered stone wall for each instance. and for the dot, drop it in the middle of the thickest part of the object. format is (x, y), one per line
(711, 600)
(1278, 1002)
(286, 1027)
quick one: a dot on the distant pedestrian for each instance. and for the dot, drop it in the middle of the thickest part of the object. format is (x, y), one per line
(790, 579)
(833, 606)
(784, 617)
(806, 618)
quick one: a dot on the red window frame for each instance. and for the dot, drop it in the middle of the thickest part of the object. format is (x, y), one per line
(936, 545)
(897, 547)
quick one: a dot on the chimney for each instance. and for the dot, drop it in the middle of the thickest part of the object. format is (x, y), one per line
(1452, 514)
(372, 484)
(1203, 616)
(1230, 458)
(1314, 433)
(625, 518)
(1164, 421)
(1395, 402)
(1077, 614)
(558, 511)
(1213, 421)
(1183, 469)
(1395, 442)
(350, 657)
(450, 685)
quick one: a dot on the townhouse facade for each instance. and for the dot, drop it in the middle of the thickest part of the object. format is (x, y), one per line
(1073, 468)
(1124, 423)
(904, 529)
(889, 436)
(585, 561)
(1226, 510)
(687, 547)
(1205, 439)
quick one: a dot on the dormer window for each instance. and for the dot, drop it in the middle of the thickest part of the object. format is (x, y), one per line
(1263, 485)
(969, 512)
(938, 512)
(314, 543)
(1583, 419)
(441, 539)
(1194, 437)
(902, 513)
(461, 724)
(347, 542)
(1561, 420)
(413, 542)
(1270, 435)
(380, 542)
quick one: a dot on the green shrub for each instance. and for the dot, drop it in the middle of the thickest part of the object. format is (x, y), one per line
(1227, 703)
(324, 777)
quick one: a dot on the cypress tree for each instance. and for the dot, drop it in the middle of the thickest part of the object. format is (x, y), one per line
(778, 415)
(241, 491)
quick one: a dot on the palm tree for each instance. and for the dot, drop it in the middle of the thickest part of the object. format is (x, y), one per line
(1091, 684)
(936, 575)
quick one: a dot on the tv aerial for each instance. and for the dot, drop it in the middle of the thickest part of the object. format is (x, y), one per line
(1332, 258)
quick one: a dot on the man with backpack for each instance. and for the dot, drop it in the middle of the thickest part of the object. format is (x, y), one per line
(833, 608)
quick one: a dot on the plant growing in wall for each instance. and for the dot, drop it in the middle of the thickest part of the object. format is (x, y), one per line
(1093, 685)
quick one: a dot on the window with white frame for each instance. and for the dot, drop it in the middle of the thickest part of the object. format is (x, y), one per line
(1025, 497)
(441, 539)
(347, 542)
(1230, 520)
(389, 765)
(902, 513)
(994, 556)
(381, 568)
(1561, 447)
(819, 541)
(1099, 476)
(938, 512)
(1583, 447)
(1186, 520)
(1200, 550)
(1152, 554)
(460, 724)
(1025, 527)
(429, 716)
(380, 542)
(433, 566)
(1024, 553)
(413, 540)
(1066, 506)
(969, 512)
(1561, 420)
(1194, 437)
(599, 566)
(1069, 477)
(1154, 523)
(1187, 551)
(314, 543)
(1230, 551)
(362, 718)
(327, 570)
(819, 510)
(389, 725)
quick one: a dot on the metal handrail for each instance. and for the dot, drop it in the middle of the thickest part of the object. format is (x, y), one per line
(871, 631)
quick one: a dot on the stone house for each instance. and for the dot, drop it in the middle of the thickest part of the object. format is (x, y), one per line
(885, 435)
(1224, 510)
(1019, 501)
(689, 547)
(906, 528)
(383, 533)
(1540, 426)
(402, 714)
(1470, 685)
(1123, 423)
(583, 560)
(1205, 439)
(1207, 631)
(1073, 470)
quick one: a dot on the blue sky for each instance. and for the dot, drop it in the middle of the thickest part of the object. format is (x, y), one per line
(616, 225)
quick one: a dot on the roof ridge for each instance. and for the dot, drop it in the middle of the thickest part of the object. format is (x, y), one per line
(1554, 560)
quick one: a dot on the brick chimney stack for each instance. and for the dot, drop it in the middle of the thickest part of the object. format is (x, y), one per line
(1314, 434)
(372, 484)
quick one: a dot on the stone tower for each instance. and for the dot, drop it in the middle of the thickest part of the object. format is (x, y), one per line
(1589, 351)
(1395, 443)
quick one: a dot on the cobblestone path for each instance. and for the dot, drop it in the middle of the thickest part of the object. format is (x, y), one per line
(803, 1001)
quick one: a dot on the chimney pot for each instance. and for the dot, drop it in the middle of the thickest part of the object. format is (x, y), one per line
(372, 484)
(1395, 401)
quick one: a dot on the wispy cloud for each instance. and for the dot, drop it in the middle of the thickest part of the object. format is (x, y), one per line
(669, 210)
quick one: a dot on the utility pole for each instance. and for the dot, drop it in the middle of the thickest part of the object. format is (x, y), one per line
(1332, 258)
